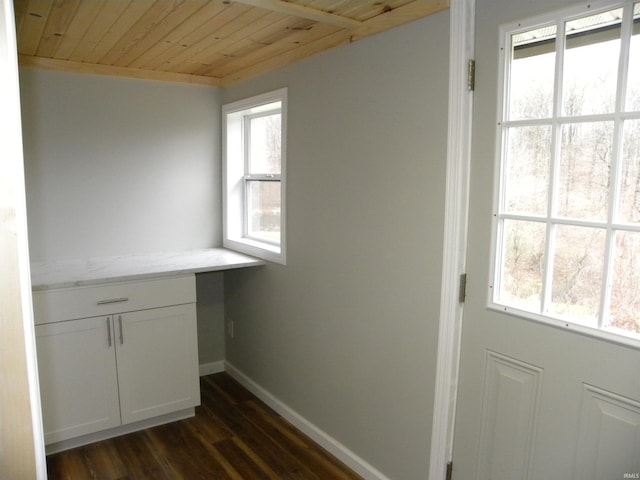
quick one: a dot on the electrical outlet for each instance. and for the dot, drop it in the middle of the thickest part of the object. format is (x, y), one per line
(230, 328)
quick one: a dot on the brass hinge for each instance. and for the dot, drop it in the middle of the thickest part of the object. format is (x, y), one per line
(449, 474)
(462, 288)
(471, 75)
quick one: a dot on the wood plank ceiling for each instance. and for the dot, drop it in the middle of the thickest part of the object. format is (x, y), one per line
(209, 42)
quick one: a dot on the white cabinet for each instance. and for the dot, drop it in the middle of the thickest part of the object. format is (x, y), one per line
(133, 357)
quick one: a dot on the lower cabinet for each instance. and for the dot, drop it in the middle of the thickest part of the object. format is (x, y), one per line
(118, 368)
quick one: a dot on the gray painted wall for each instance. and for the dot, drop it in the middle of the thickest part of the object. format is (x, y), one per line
(346, 332)
(116, 166)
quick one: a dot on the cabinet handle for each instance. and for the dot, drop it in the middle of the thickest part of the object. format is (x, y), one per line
(113, 300)
(109, 331)
(121, 330)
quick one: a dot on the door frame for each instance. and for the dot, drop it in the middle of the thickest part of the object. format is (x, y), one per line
(21, 423)
(461, 50)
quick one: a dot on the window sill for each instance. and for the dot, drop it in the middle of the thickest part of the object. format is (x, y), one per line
(262, 250)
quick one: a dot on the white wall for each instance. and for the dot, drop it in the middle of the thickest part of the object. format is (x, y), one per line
(119, 166)
(116, 166)
(346, 332)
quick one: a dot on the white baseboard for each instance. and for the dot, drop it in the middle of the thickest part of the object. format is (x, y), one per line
(211, 367)
(327, 442)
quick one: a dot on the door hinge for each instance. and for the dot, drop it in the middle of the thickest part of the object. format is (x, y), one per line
(471, 75)
(449, 474)
(462, 288)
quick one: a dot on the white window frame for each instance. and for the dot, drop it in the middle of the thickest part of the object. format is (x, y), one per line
(235, 175)
(506, 31)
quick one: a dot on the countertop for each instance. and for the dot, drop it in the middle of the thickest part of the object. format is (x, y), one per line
(71, 273)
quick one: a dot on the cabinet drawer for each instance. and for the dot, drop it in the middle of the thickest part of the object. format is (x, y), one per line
(106, 299)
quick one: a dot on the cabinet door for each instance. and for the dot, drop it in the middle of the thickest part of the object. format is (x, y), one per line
(157, 361)
(78, 381)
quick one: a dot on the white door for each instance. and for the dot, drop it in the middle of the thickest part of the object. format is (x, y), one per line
(549, 400)
(78, 382)
(157, 361)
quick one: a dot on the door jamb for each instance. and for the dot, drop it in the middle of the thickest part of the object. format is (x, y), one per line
(461, 50)
(24, 456)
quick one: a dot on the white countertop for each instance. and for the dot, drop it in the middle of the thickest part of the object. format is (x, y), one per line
(70, 273)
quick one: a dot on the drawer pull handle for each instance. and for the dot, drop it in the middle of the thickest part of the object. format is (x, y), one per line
(113, 300)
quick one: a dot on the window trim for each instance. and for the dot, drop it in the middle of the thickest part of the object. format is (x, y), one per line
(503, 121)
(235, 176)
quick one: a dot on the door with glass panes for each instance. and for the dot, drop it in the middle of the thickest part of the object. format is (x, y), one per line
(549, 383)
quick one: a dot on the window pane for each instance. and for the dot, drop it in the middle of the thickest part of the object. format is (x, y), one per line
(263, 222)
(559, 162)
(591, 63)
(630, 177)
(527, 170)
(633, 84)
(585, 164)
(625, 293)
(577, 273)
(532, 72)
(264, 154)
(522, 264)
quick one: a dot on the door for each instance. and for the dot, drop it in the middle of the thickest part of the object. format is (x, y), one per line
(78, 382)
(535, 400)
(157, 361)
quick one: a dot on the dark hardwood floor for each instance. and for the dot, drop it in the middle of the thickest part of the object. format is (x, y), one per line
(233, 436)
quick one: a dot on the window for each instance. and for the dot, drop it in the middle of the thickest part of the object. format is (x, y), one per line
(567, 219)
(254, 132)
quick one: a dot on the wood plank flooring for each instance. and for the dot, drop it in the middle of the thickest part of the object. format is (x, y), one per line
(233, 436)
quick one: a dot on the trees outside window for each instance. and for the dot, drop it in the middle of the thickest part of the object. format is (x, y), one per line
(568, 209)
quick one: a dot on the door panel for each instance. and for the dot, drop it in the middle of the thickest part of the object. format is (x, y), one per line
(157, 361)
(78, 382)
(609, 427)
(534, 401)
(511, 391)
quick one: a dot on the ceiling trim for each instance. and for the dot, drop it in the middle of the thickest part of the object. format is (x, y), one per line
(109, 70)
